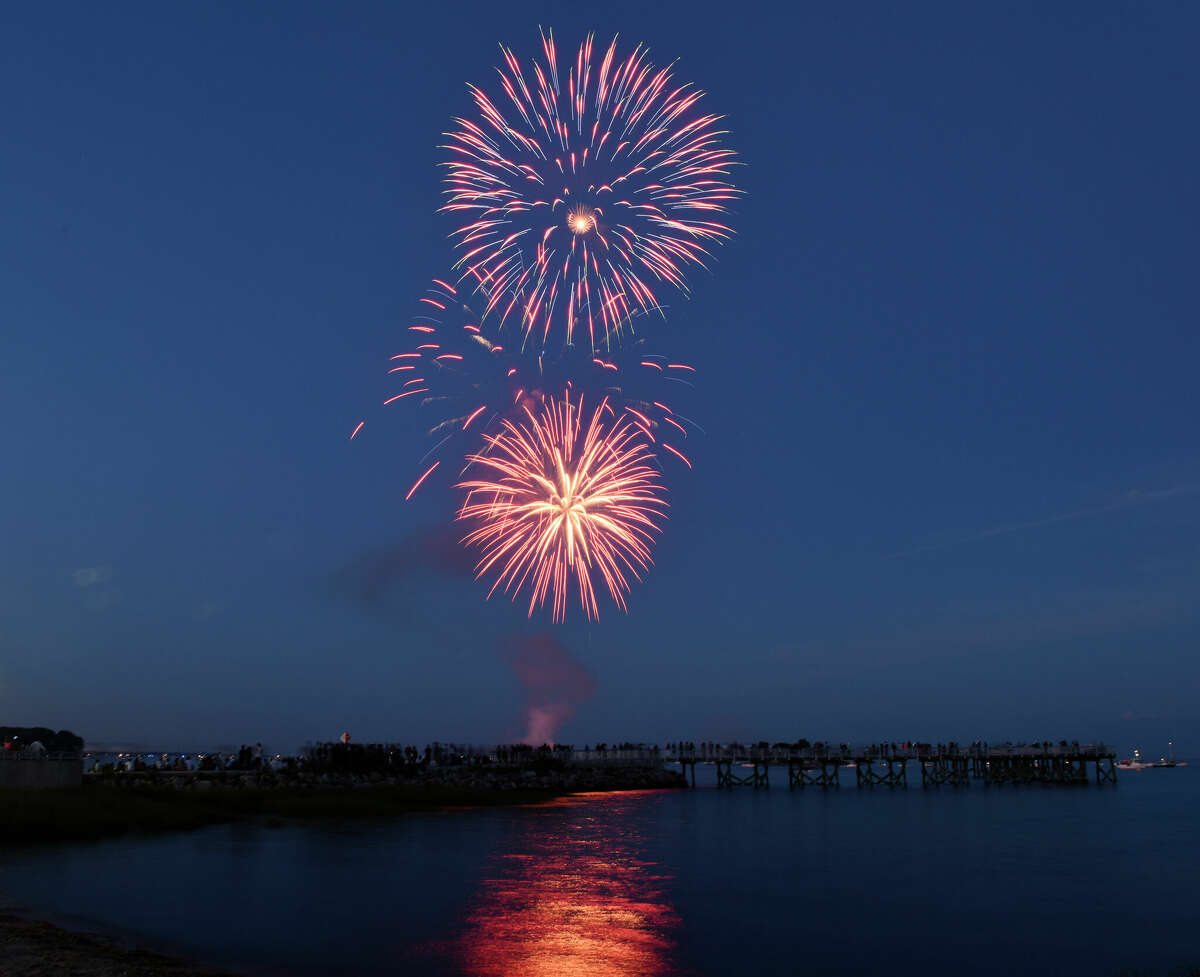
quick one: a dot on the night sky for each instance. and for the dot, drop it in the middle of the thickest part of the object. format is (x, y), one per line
(949, 488)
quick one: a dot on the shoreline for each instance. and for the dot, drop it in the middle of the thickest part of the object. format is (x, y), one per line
(36, 943)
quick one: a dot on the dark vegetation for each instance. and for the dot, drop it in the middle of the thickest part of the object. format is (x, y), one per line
(64, 741)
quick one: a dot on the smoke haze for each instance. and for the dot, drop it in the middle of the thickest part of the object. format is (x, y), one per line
(432, 550)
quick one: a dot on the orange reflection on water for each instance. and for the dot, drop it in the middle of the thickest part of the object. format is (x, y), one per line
(574, 894)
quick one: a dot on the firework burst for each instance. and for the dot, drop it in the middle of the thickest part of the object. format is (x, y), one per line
(581, 196)
(563, 495)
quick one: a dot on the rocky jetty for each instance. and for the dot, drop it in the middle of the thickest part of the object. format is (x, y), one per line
(565, 779)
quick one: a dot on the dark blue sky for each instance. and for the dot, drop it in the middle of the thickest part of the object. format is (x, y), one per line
(950, 485)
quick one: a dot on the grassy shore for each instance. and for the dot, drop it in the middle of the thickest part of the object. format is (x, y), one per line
(100, 811)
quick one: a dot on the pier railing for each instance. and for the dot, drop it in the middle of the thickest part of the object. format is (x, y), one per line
(638, 757)
(878, 752)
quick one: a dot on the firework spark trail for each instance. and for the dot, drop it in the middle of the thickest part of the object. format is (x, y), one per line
(469, 383)
(587, 196)
(564, 495)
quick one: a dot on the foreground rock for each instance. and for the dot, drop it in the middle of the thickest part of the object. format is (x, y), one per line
(34, 949)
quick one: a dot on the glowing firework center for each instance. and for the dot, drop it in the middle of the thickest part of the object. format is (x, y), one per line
(581, 219)
(564, 496)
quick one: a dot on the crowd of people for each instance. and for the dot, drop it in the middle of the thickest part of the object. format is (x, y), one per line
(14, 745)
(38, 740)
(348, 757)
(345, 757)
(710, 750)
(397, 758)
(246, 758)
(331, 757)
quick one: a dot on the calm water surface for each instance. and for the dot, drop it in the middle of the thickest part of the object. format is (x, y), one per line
(989, 881)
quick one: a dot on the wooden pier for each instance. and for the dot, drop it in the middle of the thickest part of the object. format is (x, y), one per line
(887, 764)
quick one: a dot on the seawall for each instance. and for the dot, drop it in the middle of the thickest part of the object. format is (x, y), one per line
(567, 779)
(40, 772)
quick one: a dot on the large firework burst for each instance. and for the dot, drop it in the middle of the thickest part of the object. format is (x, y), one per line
(564, 494)
(581, 197)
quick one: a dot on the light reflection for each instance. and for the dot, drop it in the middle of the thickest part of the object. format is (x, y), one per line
(574, 894)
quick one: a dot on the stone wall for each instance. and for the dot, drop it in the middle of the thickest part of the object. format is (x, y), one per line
(28, 772)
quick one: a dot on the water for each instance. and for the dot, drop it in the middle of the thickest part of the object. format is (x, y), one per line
(987, 881)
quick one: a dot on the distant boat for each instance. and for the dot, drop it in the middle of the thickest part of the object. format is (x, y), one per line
(1135, 762)
(1169, 759)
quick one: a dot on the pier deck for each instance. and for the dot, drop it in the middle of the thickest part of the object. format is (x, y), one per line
(887, 764)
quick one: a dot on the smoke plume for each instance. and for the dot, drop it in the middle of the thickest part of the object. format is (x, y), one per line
(554, 683)
(431, 550)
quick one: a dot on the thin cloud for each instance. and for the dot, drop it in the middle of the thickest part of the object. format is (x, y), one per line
(1133, 500)
(90, 576)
